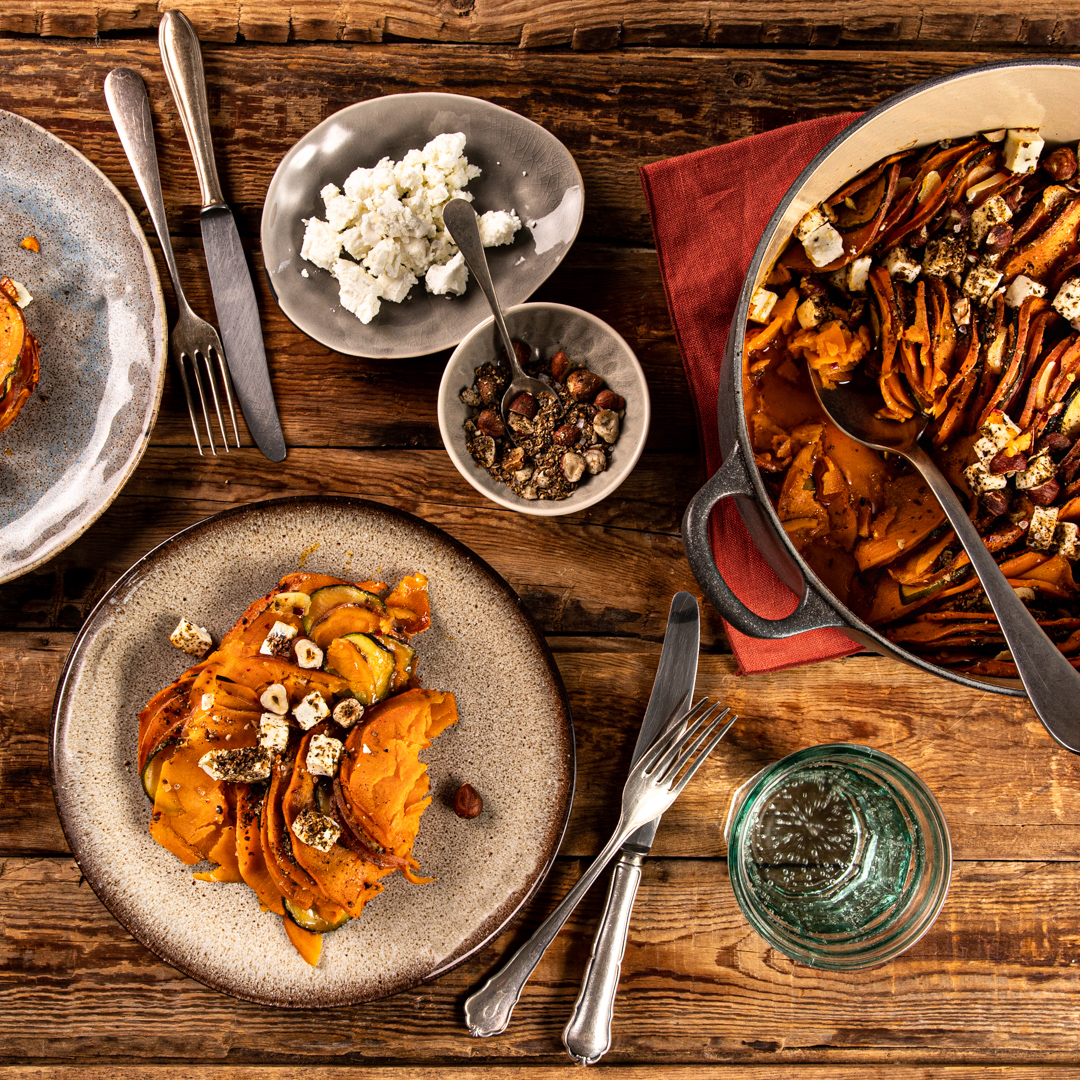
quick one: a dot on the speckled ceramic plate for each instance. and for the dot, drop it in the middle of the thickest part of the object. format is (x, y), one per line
(513, 742)
(525, 168)
(99, 315)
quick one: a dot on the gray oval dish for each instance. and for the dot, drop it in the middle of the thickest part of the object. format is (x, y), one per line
(99, 315)
(514, 743)
(525, 168)
(589, 342)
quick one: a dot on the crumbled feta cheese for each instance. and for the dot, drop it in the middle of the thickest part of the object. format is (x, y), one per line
(316, 830)
(347, 712)
(1067, 301)
(311, 710)
(1067, 540)
(449, 279)
(395, 289)
(1040, 534)
(279, 640)
(275, 699)
(824, 245)
(321, 244)
(761, 305)
(1040, 468)
(995, 211)
(207, 702)
(273, 732)
(810, 222)
(901, 265)
(981, 281)
(981, 479)
(1021, 288)
(192, 639)
(497, 227)
(944, 256)
(323, 755)
(995, 436)
(237, 766)
(813, 311)
(308, 654)
(858, 273)
(357, 290)
(1022, 149)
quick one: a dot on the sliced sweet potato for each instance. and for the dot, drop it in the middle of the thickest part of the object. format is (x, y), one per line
(307, 944)
(409, 603)
(249, 849)
(915, 513)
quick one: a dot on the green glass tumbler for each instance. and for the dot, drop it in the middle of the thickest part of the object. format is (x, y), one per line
(839, 856)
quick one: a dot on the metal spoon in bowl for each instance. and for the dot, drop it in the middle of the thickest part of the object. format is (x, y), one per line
(1052, 683)
(460, 220)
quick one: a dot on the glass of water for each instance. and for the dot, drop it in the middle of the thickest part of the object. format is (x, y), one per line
(839, 856)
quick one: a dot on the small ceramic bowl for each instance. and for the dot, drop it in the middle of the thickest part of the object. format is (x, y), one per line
(589, 342)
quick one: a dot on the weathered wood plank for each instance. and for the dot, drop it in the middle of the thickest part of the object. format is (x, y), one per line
(137, 1071)
(1016, 796)
(600, 24)
(993, 979)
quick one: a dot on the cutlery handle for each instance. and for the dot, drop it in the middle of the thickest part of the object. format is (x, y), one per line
(587, 1036)
(129, 105)
(487, 1010)
(182, 58)
(1051, 682)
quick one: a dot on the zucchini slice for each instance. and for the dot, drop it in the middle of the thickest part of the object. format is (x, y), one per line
(330, 596)
(367, 666)
(380, 659)
(404, 655)
(312, 920)
(345, 619)
(151, 771)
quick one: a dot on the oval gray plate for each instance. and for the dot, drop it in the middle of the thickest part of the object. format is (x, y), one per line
(513, 742)
(99, 315)
(525, 168)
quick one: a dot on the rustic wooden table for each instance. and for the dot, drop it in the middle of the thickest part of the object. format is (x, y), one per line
(989, 989)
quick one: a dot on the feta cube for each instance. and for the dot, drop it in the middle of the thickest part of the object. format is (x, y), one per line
(321, 244)
(1067, 540)
(946, 255)
(981, 479)
(192, 639)
(273, 732)
(275, 699)
(1040, 468)
(308, 654)
(497, 227)
(1021, 288)
(824, 245)
(858, 273)
(981, 281)
(761, 305)
(347, 712)
(995, 436)
(1040, 534)
(901, 265)
(311, 710)
(995, 211)
(279, 640)
(242, 766)
(206, 703)
(395, 289)
(323, 755)
(316, 830)
(358, 290)
(449, 279)
(1067, 301)
(1022, 149)
(813, 311)
(810, 222)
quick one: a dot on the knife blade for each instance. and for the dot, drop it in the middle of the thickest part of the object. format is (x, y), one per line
(587, 1036)
(230, 277)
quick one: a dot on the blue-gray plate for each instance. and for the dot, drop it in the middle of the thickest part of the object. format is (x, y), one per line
(525, 168)
(99, 315)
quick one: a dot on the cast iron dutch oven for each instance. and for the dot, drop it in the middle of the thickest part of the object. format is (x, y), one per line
(1040, 93)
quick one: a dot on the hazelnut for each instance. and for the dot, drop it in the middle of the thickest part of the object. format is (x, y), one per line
(490, 423)
(470, 397)
(275, 699)
(608, 399)
(514, 458)
(543, 478)
(483, 449)
(1061, 164)
(595, 460)
(1055, 442)
(524, 404)
(467, 802)
(529, 493)
(560, 366)
(523, 352)
(1044, 494)
(995, 502)
(998, 238)
(573, 467)
(1002, 463)
(524, 475)
(583, 385)
(488, 388)
(567, 435)
(606, 425)
(520, 425)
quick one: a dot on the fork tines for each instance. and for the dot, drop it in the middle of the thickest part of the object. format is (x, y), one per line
(688, 741)
(204, 357)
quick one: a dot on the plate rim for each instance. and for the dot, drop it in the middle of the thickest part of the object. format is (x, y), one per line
(555, 836)
(160, 352)
(379, 100)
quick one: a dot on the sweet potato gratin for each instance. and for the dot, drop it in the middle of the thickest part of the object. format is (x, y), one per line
(19, 367)
(289, 755)
(948, 276)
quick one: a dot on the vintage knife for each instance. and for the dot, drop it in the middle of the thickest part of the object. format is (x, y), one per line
(588, 1035)
(230, 278)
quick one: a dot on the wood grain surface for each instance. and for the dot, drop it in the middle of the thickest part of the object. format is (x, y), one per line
(990, 991)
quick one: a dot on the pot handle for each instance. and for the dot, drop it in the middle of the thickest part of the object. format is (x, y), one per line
(732, 478)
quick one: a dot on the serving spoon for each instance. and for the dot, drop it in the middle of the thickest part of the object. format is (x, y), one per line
(460, 220)
(1051, 682)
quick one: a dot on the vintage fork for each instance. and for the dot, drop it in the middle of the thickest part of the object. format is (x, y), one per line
(193, 340)
(654, 783)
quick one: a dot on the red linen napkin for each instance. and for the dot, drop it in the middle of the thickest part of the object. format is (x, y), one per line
(708, 211)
